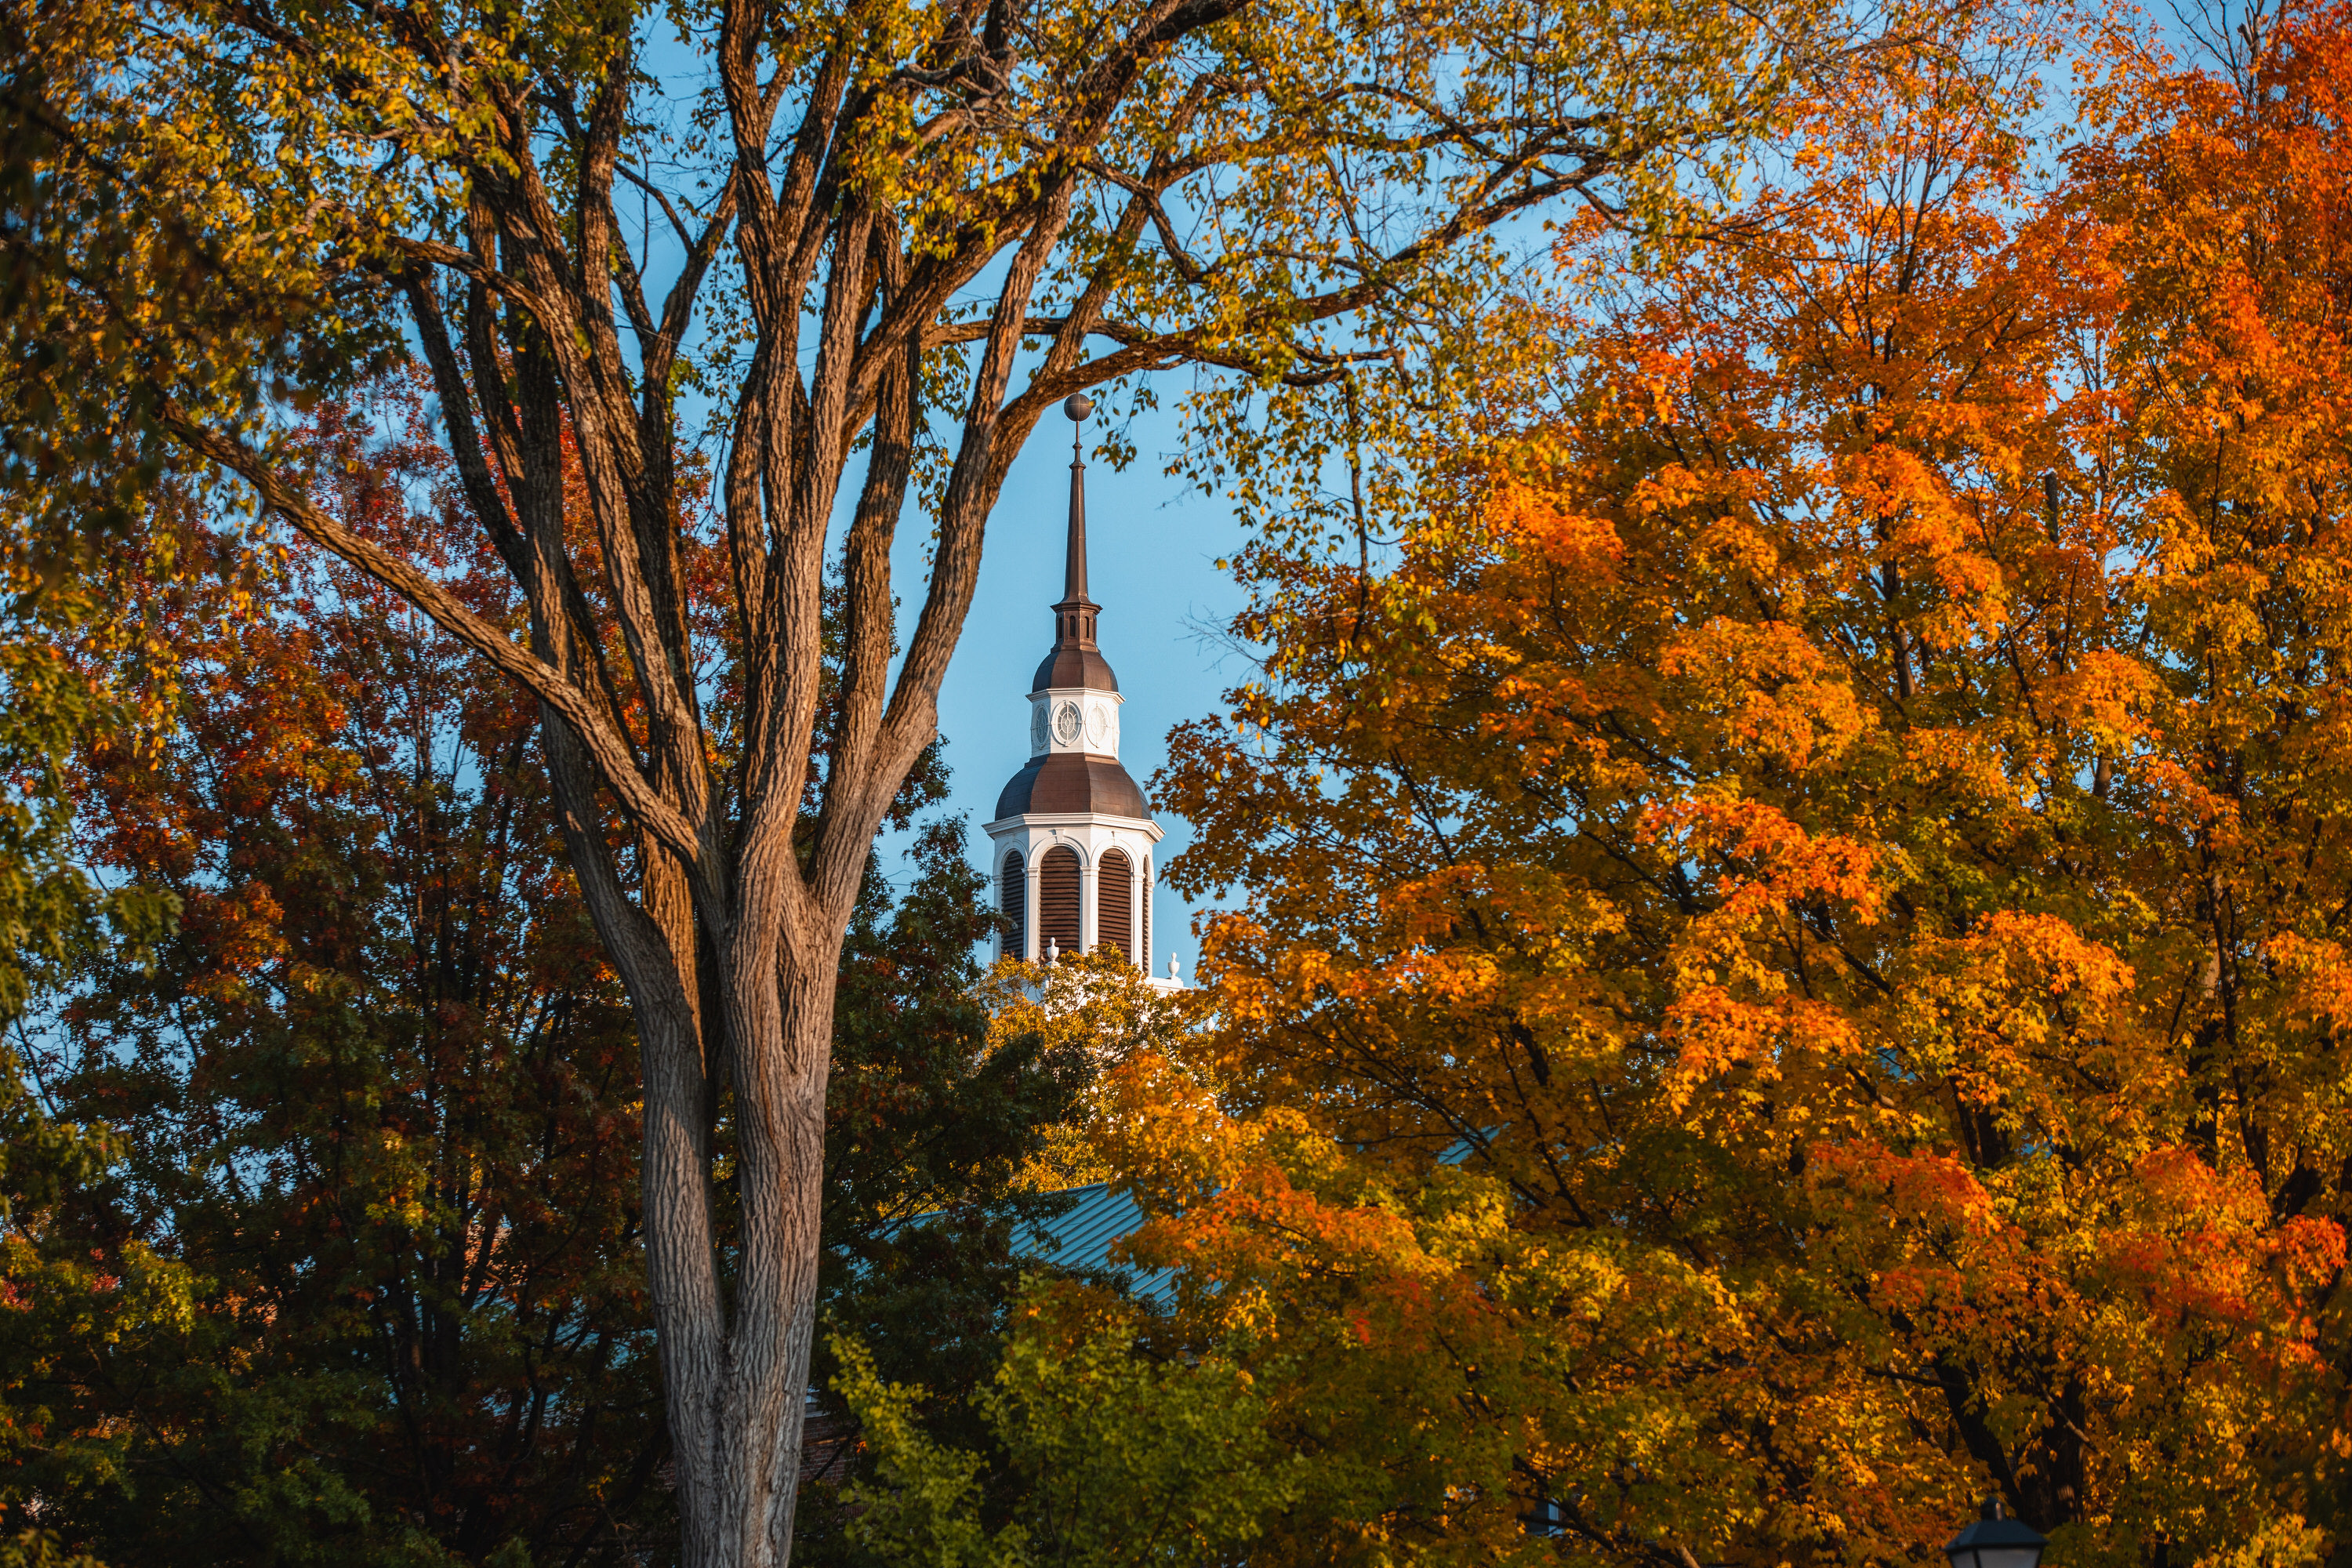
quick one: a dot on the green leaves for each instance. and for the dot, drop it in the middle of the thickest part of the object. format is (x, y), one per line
(1116, 1458)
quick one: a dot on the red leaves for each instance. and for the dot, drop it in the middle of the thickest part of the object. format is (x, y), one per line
(242, 933)
(1769, 860)
(2198, 1253)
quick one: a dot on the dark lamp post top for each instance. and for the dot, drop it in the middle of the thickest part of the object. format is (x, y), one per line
(1997, 1541)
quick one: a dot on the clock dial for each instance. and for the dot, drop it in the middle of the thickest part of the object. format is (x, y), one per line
(1067, 723)
(1098, 726)
(1037, 726)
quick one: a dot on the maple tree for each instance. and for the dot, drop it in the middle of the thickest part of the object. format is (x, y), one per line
(847, 234)
(1788, 965)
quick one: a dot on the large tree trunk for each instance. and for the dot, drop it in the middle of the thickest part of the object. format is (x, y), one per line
(780, 1125)
(654, 947)
(735, 1363)
(735, 1371)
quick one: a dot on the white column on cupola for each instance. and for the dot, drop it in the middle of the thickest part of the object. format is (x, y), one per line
(1089, 893)
(1030, 946)
(1074, 807)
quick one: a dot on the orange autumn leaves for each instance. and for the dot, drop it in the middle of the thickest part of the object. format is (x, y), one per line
(1787, 964)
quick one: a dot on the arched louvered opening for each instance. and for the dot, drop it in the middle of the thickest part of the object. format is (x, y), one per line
(1114, 903)
(1057, 899)
(1146, 903)
(1013, 899)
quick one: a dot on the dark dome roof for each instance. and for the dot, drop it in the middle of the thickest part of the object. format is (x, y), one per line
(1082, 667)
(1073, 781)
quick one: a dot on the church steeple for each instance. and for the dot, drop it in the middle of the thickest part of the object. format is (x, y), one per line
(1075, 659)
(1074, 836)
(1074, 565)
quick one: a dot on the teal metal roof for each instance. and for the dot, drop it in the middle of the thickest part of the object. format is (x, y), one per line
(1081, 1238)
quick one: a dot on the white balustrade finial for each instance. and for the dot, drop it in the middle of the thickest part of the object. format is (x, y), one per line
(1174, 978)
(1053, 950)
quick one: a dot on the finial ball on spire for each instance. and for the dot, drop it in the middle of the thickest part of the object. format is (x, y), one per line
(1077, 405)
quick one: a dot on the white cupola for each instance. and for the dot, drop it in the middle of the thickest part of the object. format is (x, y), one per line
(1073, 844)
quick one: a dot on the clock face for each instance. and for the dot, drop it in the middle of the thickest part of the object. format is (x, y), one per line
(1101, 725)
(1037, 726)
(1067, 723)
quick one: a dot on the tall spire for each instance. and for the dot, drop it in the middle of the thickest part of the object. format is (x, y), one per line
(1076, 659)
(1074, 573)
